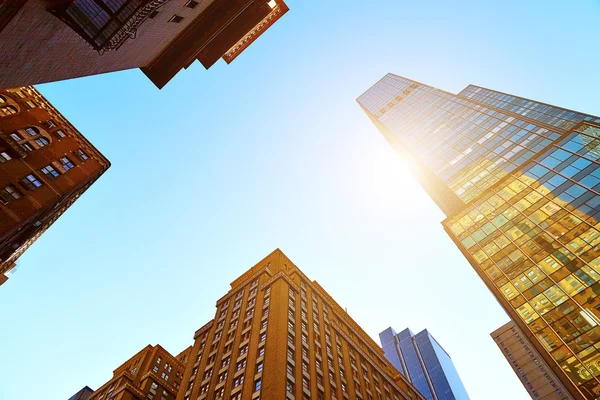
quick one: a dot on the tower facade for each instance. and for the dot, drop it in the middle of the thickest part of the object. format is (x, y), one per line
(45, 165)
(278, 335)
(424, 362)
(50, 40)
(152, 374)
(539, 381)
(519, 182)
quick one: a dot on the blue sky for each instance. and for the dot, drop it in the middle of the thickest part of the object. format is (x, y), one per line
(222, 166)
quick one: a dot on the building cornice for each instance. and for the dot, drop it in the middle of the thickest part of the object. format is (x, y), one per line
(242, 44)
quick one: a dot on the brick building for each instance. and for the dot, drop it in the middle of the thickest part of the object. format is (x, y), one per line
(278, 335)
(45, 165)
(50, 40)
(275, 335)
(152, 374)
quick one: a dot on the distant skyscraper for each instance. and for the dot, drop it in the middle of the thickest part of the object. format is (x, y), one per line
(152, 374)
(422, 360)
(83, 394)
(519, 182)
(50, 40)
(45, 165)
(533, 372)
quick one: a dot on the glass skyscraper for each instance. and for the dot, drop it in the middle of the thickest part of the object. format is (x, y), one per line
(422, 360)
(519, 182)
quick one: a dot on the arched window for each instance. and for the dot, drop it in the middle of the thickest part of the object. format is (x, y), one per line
(8, 106)
(32, 131)
(5, 111)
(31, 138)
(42, 141)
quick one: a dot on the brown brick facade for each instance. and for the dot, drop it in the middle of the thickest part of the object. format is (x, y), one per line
(151, 374)
(278, 335)
(45, 165)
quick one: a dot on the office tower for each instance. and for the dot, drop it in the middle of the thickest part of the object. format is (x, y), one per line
(519, 183)
(51, 40)
(152, 374)
(83, 394)
(424, 362)
(278, 335)
(45, 165)
(533, 372)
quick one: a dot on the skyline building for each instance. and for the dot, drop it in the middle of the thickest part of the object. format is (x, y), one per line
(424, 362)
(151, 374)
(275, 335)
(519, 182)
(278, 335)
(530, 368)
(45, 165)
(64, 39)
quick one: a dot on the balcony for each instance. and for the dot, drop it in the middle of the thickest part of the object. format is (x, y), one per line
(105, 25)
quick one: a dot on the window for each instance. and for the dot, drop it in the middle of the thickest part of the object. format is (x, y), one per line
(31, 104)
(257, 385)
(241, 365)
(289, 386)
(261, 351)
(238, 381)
(61, 134)
(191, 4)
(5, 111)
(66, 163)
(42, 141)
(26, 147)
(16, 136)
(50, 172)
(4, 157)
(225, 362)
(155, 369)
(31, 182)
(8, 194)
(176, 18)
(31, 131)
(259, 367)
(50, 124)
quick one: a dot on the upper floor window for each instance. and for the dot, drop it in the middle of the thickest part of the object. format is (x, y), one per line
(5, 111)
(31, 182)
(4, 157)
(176, 18)
(9, 194)
(50, 172)
(7, 107)
(81, 155)
(66, 163)
(42, 141)
(31, 131)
